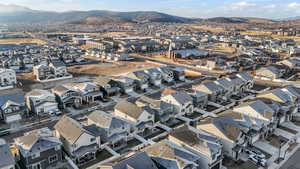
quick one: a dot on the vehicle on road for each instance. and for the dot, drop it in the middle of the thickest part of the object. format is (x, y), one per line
(255, 152)
(257, 160)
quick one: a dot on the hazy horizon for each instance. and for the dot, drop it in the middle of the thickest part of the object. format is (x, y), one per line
(273, 9)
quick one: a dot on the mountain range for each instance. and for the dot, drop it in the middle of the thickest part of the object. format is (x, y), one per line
(14, 14)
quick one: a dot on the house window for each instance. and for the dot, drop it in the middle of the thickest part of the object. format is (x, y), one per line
(35, 155)
(36, 166)
(53, 159)
(93, 139)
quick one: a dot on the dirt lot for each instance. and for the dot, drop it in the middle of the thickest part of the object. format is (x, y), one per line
(21, 40)
(110, 69)
(208, 28)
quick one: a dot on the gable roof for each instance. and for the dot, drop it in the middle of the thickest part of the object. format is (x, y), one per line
(130, 109)
(18, 98)
(70, 129)
(182, 97)
(206, 144)
(168, 150)
(260, 107)
(37, 141)
(105, 120)
(137, 161)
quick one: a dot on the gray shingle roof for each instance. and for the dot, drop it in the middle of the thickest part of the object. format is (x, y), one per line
(6, 157)
(137, 161)
(130, 109)
(14, 97)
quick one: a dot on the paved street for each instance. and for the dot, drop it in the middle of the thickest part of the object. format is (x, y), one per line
(293, 162)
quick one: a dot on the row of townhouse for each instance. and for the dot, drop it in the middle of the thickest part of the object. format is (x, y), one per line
(44, 102)
(201, 147)
(253, 120)
(185, 147)
(222, 89)
(54, 71)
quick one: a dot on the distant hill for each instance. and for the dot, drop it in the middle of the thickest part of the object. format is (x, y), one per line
(290, 18)
(14, 14)
(239, 20)
(11, 14)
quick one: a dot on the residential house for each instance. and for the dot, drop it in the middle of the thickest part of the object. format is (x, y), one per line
(182, 102)
(140, 160)
(39, 149)
(80, 143)
(167, 74)
(41, 102)
(7, 78)
(90, 92)
(142, 118)
(206, 146)
(287, 102)
(200, 99)
(269, 72)
(155, 76)
(59, 69)
(228, 86)
(12, 107)
(51, 72)
(140, 78)
(230, 132)
(67, 96)
(126, 84)
(260, 112)
(114, 130)
(179, 73)
(215, 92)
(107, 85)
(7, 160)
(247, 79)
(163, 110)
(292, 63)
(170, 155)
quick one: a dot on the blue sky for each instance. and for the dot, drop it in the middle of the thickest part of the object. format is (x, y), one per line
(188, 8)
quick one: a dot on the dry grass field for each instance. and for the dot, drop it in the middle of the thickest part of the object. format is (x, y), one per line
(207, 28)
(21, 40)
(109, 69)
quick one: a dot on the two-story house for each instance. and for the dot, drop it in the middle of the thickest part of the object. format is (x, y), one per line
(67, 96)
(142, 118)
(141, 79)
(12, 107)
(90, 92)
(206, 146)
(80, 143)
(182, 102)
(126, 84)
(163, 110)
(39, 149)
(114, 131)
(230, 132)
(107, 85)
(215, 92)
(155, 76)
(41, 102)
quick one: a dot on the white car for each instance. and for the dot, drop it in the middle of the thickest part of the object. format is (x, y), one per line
(257, 160)
(255, 152)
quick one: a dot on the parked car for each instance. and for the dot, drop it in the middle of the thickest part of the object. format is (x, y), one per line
(256, 153)
(257, 160)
